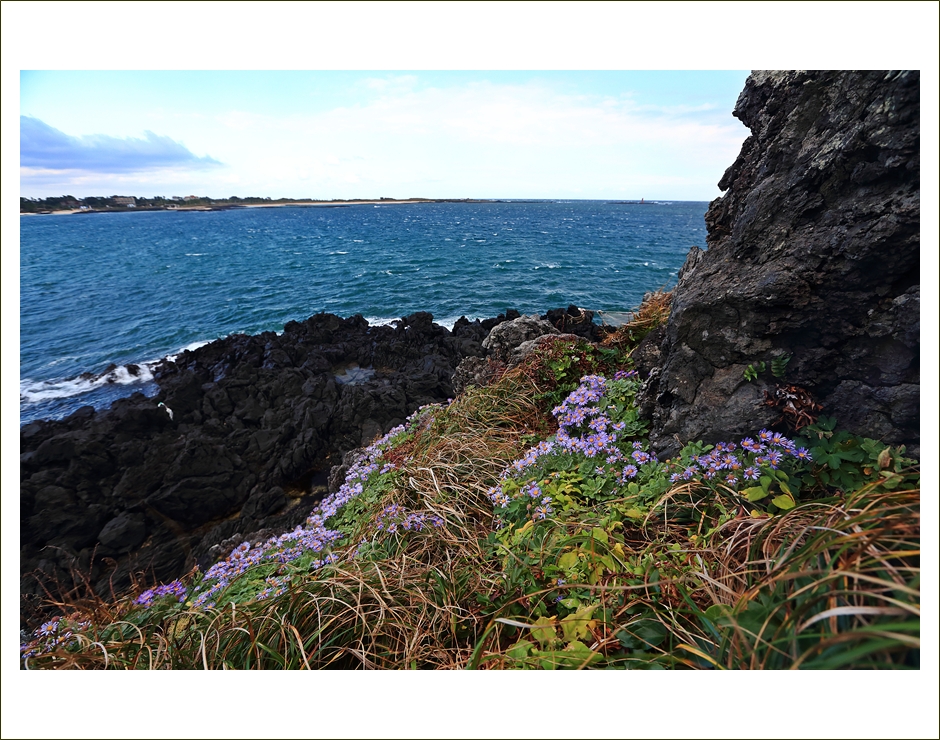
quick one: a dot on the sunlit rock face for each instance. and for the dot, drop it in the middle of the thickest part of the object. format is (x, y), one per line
(813, 253)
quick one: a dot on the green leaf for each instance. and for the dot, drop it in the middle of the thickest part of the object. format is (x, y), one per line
(784, 502)
(568, 560)
(718, 612)
(599, 535)
(543, 630)
(575, 626)
(649, 631)
(520, 649)
(756, 493)
(581, 654)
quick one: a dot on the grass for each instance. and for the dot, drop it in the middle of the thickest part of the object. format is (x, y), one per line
(642, 574)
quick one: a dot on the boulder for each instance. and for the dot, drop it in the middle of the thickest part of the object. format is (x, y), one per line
(505, 337)
(813, 256)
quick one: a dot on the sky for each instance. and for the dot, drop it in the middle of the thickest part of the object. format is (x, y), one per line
(368, 134)
(164, 114)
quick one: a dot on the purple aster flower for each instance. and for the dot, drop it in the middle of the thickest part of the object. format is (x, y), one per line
(751, 473)
(773, 458)
(630, 471)
(48, 628)
(803, 454)
(751, 446)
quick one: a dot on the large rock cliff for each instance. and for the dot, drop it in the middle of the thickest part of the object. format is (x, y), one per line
(813, 254)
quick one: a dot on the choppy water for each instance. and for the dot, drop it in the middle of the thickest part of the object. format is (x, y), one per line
(101, 289)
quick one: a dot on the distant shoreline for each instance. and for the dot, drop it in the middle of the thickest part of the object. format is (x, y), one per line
(232, 206)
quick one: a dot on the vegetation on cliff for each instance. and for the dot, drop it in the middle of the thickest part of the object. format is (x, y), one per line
(526, 525)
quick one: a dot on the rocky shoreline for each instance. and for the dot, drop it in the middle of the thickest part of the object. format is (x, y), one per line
(238, 443)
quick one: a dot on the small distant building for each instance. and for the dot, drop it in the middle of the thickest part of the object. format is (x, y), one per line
(130, 202)
(191, 197)
(177, 197)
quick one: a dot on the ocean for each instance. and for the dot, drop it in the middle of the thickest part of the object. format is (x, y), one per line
(127, 289)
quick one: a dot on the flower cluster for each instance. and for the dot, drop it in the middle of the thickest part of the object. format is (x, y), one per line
(170, 589)
(584, 428)
(395, 518)
(313, 537)
(51, 635)
(276, 586)
(625, 374)
(732, 464)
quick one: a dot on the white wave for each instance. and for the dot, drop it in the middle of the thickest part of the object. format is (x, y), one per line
(447, 323)
(187, 348)
(34, 391)
(339, 252)
(195, 254)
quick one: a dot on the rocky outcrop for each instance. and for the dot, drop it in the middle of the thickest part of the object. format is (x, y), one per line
(241, 439)
(813, 255)
(512, 340)
(503, 339)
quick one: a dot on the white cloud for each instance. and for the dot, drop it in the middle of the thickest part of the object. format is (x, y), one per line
(472, 140)
(498, 138)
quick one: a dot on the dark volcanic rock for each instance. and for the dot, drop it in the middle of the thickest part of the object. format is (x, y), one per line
(239, 442)
(813, 252)
(245, 427)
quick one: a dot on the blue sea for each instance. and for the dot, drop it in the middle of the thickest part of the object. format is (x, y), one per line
(124, 289)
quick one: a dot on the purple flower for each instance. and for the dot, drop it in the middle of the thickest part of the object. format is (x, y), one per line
(803, 454)
(751, 473)
(773, 458)
(48, 628)
(751, 446)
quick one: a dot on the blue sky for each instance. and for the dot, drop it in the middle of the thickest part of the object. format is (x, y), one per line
(345, 134)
